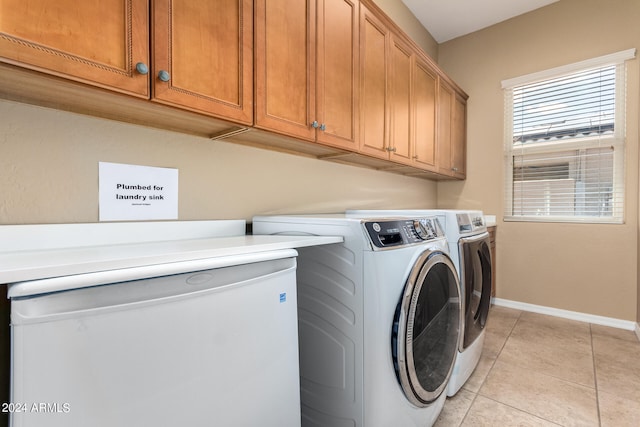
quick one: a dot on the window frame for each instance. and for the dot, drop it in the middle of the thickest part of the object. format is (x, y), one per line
(616, 141)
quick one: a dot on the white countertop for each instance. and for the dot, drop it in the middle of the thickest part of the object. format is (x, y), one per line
(32, 265)
(71, 268)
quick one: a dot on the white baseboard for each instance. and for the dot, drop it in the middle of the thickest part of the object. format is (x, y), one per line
(573, 315)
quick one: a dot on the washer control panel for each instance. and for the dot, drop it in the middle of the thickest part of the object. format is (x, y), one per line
(386, 233)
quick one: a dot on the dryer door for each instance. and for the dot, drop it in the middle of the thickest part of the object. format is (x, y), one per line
(475, 259)
(427, 328)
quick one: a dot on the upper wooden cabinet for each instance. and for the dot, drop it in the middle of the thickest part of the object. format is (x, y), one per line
(203, 56)
(285, 53)
(202, 50)
(307, 69)
(424, 102)
(335, 79)
(374, 76)
(385, 108)
(452, 131)
(94, 42)
(398, 97)
(400, 83)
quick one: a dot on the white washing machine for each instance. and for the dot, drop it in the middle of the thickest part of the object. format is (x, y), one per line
(470, 250)
(379, 319)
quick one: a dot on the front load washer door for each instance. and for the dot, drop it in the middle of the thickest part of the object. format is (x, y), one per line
(475, 259)
(426, 328)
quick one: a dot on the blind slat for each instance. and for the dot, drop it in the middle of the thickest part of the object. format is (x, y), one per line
(578, 104)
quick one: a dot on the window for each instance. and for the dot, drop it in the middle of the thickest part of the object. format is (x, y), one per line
(564, 142)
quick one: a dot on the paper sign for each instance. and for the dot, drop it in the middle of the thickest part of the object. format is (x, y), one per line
(130, 192)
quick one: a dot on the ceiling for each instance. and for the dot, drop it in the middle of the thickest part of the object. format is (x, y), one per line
(448, 19)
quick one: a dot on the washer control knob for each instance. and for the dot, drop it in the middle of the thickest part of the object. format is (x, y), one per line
(421, 230)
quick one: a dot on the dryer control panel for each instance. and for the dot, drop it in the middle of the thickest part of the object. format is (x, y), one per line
(472, 221)
(386, 233)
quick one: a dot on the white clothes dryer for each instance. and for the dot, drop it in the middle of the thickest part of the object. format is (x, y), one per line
(469, 246)
(379, 319)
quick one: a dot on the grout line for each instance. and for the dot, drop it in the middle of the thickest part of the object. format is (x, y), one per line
(522, 410)
(466, 414)
(595, 374)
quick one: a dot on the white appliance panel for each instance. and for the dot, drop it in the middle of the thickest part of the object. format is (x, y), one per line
(214, 347)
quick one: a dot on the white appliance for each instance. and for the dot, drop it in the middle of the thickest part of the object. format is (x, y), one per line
(210, 347)
(183, 332)
(379, 319)
(469, 246)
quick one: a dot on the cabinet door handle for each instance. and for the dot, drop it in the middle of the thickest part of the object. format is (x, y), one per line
(455, 169)
(142, 68)
(415, 157)
(314, 124)
(323, 127)
(391, 149)
(164, 75)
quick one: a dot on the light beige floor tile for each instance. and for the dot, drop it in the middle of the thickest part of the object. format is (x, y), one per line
(552, 332)
(455, 409)
(617, 411)
(479, 374)
(501, 320)
(574, 365)
(489, 413)
(618, 379)
(621, 334)
(537, 370)
(547, 397)
(493, 344)
(617, 367)
(617, 350)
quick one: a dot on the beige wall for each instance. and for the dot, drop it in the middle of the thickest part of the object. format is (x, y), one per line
(401, 15)
(49, 161)
(581, 267)
(49, 172)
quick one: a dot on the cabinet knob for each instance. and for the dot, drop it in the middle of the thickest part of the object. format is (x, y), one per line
(142, 68)
(391, 149)
(314, 124)
(415, 157)
(164, 75)
(323, 127)
(455, 169)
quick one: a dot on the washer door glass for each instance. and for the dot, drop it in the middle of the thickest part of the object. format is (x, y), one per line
(427, 328)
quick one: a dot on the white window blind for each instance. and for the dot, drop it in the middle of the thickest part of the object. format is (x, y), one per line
(564, 142)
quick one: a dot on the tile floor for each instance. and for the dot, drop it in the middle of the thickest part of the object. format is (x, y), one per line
(539, 370)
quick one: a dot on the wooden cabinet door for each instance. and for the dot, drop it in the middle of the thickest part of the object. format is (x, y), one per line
(204, 49)
(445, 105)
(98, 43)
(285, 67)
(374, 70)
(400, 102)
(425, 83)
(459, 137)
(307, 74)
(451, 136)
(337, 86)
